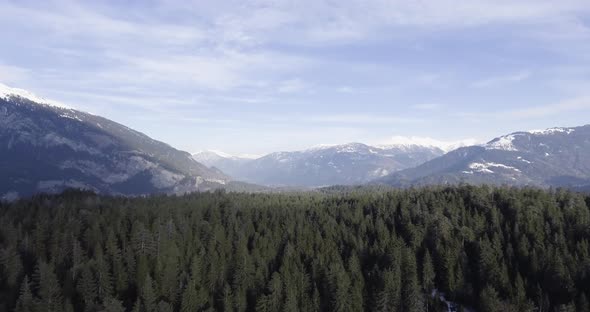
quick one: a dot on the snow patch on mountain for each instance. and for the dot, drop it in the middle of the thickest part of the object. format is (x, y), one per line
(70, 116)
(9, 196)
(524, 160)
(380, 172)
(502, 143)
(485, 167)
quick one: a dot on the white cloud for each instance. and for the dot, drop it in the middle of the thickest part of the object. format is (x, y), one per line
(501, 80)
(346, 89)
(292, 86)
(361, 119)
(220, 55)
(566, 106)
(427, 106)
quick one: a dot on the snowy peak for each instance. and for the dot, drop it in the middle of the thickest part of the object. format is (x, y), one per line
(341, 148)
(510, 141)
(551, 131)
(402, 142)
(221, 160)
(6, 93)
(210, 155)
(216, 154)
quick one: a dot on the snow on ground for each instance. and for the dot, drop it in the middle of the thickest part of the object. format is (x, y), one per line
(485, 167)
(502, 143)
(10, 196)
(524, 160)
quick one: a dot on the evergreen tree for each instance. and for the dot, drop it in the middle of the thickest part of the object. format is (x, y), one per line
(87, 288)
(388, 299)
(489, 300)
(342, 249)
(227, 300)
(411, 295)
(582, 304)
(148, 296)
(25, 301)
(48, 288)
(190, 300)
(112, 305)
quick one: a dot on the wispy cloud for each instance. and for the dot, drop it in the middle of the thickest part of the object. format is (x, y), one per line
(566, 106)
(362, 119)
(501, 80)
(427, 106)
(291, 86)
(324, 64)
(554, 110)
(14, 74)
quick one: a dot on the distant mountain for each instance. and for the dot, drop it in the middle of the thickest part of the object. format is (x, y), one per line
(227, 163)
(46, 147)
(346, 164)
(551, 157)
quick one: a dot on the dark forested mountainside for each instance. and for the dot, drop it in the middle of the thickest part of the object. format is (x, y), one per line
(487, 249)
(46, 148)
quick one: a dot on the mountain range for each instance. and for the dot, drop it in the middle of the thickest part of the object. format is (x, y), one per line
(46, 147)
(346, 164)
(556, 157)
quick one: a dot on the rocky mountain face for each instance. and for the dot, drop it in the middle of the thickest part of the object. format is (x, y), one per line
(45, 148)
(347, 164)
(551, 157)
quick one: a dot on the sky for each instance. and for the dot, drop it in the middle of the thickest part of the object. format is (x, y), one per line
(253, 77)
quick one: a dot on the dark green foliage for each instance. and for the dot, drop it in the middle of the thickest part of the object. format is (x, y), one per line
(490, 249)
(25, 301)
(112, 305)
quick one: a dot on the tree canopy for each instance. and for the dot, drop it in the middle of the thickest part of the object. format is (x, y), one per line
(487, 248)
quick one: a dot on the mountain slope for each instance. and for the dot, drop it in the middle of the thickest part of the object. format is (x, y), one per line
(551, 157)
(46, 148)
(346, 164)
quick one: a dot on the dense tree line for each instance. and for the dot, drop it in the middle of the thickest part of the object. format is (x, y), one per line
(489, 249)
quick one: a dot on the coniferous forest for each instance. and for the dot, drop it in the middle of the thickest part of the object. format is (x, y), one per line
(481, 248)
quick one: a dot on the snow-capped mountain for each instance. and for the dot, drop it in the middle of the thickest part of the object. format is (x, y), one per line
(46, 147)
(212, 157)
(402, 142)
(352, 163)
(551, 157)
(225, 162)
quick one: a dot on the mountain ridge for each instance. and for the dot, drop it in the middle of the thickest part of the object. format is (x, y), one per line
(347, 164)
(47, 147)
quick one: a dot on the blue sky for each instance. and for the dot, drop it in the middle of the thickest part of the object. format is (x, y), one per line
(261, 76)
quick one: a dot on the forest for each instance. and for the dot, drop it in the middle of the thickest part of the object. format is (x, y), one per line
(475, 248)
